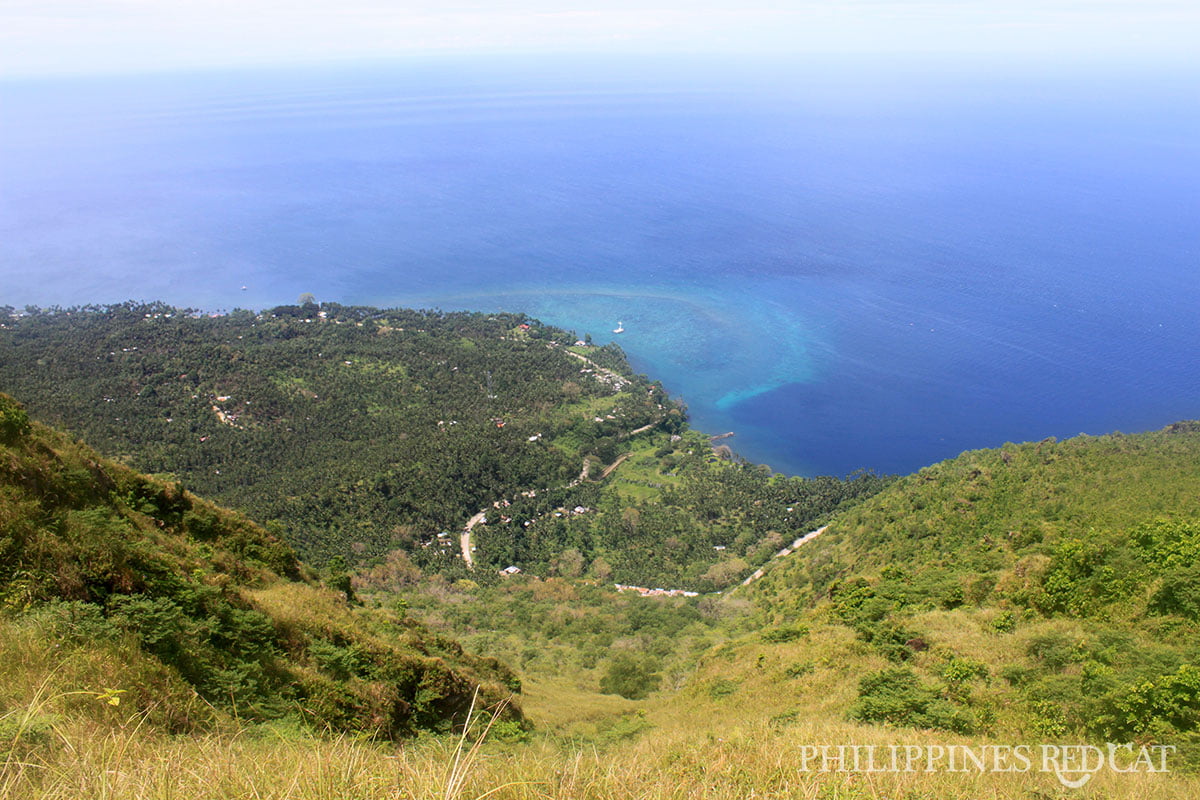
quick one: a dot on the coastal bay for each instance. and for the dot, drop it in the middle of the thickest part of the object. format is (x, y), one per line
(848, 271)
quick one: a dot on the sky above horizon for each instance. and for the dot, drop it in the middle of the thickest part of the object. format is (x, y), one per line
(71, 37)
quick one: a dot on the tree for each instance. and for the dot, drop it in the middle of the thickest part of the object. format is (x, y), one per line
(631, 675)
(337, 577)
(601, 569)
(568, 563)
(14, 421)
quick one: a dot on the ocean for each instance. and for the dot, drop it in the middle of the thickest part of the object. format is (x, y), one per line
(850, 266)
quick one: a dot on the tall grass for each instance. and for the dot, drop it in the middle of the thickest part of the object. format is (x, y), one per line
(683, 761)
(62, 742)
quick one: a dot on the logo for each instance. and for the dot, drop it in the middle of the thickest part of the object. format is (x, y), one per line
(1073, 764)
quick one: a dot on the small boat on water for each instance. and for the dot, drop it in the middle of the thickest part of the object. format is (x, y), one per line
(620, 328)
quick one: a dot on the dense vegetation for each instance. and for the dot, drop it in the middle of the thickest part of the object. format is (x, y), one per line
(1072, 564)
(351, 432)
(122, 587)
(703, 524)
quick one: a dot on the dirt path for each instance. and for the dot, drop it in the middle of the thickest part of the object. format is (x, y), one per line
(805, 539)
(614, 379)
(583, 473)
(464, 538)
(617, 382)
(608, 470)
(645, 591)
(464, 541)
(642, 429)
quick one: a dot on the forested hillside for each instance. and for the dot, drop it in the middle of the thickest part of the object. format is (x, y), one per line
(352, 432)
(1047, 589)
(121, 590)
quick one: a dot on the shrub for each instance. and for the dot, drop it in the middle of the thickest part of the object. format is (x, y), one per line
(1085, 575)
(1055, 650)
(784, 719)
(799, 669)
(341, 663)
(1170, 701)
(897, 697)
(1179, 593)
(22, 735)
(1016, 675)
(1004, 622)
(785, 633)
(625, 727)
(1049, 720)
(14, 422)
(76, 622)
(631, 676)
(1169, 543)
(508, 730)
(961, 670)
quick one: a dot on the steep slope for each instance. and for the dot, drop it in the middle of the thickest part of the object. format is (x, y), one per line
(126, 589)
(1044, 590)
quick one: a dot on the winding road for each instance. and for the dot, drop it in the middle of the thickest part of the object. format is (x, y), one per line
(615, 380)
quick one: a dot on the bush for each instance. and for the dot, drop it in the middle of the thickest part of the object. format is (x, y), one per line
(1179, 593)
(14, 422)
(1169, 543)
(21, 736)
(625, 727)
(785, 633)
(1016, 675)
(508, 730)
(631, 676)
(1049, 720)
(1004, 622)
(1054, 650)
(1166, 704)
(76, 622)
(1085, 575)
(799, 669)
(897, 697)
(784, 719)
(961, 670)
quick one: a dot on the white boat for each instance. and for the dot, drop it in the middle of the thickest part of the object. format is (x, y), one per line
(620, 328)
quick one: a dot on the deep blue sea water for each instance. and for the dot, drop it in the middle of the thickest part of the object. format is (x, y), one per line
(869, 267)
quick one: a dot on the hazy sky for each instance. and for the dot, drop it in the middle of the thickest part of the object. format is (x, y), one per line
(73, 36)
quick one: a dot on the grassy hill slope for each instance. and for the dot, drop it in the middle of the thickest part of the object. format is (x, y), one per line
(960, 606)
(124, 598)
(1046, 590)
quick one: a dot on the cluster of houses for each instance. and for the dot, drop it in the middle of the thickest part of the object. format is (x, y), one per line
(444, 542)
(606, 376)
(227, 418)
(647, 592)
(561, 511)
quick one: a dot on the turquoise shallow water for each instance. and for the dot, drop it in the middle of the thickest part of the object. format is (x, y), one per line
(710, 343)
(849, 268)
